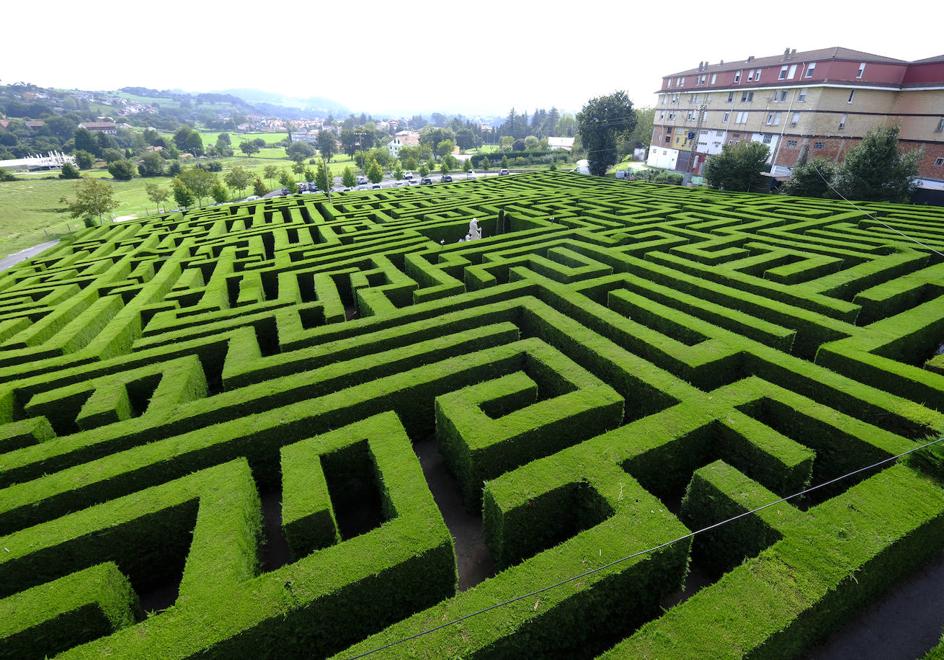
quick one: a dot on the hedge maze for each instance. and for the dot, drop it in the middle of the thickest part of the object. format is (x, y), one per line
(210, 422)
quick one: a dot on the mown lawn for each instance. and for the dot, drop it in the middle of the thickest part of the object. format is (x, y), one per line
(30, 210)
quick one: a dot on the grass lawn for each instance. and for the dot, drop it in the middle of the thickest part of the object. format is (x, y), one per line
(30, 210)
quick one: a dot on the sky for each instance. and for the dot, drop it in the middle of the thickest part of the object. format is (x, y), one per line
(480, 57)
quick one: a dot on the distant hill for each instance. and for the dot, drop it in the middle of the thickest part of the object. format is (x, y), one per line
(313, 104)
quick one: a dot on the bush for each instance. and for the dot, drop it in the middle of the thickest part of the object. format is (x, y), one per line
(122, 170)
(69, 171)
(811, 179)
(84, 159)
(739, 166)
(6, 175)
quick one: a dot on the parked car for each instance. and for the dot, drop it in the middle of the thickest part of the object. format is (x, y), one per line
(426, 181)
(445, 178)
(470, 174)
(251, 198)
(361, 180)
(376, 186)
(502, 172)
(408, 176)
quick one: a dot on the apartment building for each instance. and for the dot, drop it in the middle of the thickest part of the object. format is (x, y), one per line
(817, 103)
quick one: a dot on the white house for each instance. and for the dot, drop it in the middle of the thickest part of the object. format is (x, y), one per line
(565, 143)
(402, 139)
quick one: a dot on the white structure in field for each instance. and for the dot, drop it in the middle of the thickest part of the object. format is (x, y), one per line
(49, 161)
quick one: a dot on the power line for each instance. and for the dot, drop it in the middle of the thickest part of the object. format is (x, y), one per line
(861, 210)
(639, 553)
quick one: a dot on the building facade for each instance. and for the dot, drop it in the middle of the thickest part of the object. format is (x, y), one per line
(811, 104)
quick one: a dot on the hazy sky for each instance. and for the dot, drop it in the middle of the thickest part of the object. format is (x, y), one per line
(475, 57)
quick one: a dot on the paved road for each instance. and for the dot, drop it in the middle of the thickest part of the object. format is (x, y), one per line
(23, 255)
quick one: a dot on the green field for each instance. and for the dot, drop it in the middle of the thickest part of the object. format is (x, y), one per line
(327, 428)
(30, 211)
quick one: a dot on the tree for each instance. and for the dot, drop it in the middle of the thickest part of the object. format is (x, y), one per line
(506, 142)
(504, 162)
(286, 180)
(812, 179)
(875, 170)
(739, 166)
(397, 170)
(299, 151)
(199, 181)
(259, 188)
(486, 164)
(349, 141)
(467, 165)
(270, 173)
(238, 178)
(224, 145)
(156, 194)
(111, 154)
(599, 123)
(531, 143)
(248, 147)
(152, 164)
(93, 198)
(348, 178)
(69, 171)
(85, 141)
(182, 194)
(218, 192)
(327, 144)
(323, 178)
(444, 167)
(122, 170)
(375, 172)
(444, 148)
(84, 159)
(298, 167)
(424, 169)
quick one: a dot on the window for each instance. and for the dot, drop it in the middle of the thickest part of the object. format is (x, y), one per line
(741, 118)
(747, 97)
(668, 139)
(810, 69)
(757, 74)
(681, 81)
(795, 119)
(802, 96)
(780, 96)
(793, 70)
(938, 162)
(671, 116)
(730, 97)
(691, 116)
(792, 144)
(940, 126)
(818, 145)
(767, 139)
(670, 83)
(851, 96)
(714, 78)
(675, 98)
(661, 115)
(724, 117)
(702, 78)
(861, 70)
(737, 76)
(842, 122)
(783, 72)
(750, 75)
(773, 119)
(668, 130)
